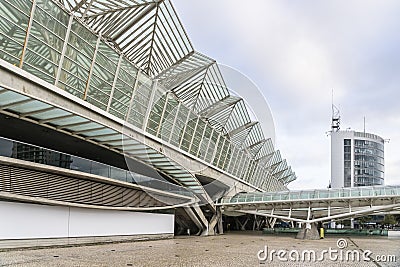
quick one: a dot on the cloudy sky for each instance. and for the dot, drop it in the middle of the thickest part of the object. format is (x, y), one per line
(297, 52)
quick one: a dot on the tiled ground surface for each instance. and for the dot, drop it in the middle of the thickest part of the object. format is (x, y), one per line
(232, 249)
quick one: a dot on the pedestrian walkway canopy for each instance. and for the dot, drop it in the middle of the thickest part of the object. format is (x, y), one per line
(314, 195)
(315, 205)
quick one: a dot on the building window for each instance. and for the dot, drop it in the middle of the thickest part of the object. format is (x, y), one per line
(347, 163)
(368, 167)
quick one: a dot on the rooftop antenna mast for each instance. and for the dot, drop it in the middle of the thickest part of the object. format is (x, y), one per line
(364, 124)
(335, 117)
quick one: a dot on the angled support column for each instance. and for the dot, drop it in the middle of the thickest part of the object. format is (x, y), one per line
(257, 222)
(205, 226)
(239, 225)
(272, 222)
(196, 221)
(215, 225)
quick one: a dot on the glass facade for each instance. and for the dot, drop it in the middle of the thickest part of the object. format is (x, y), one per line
(363, 160)
(347, 162)
(40, 155)
(18, 150)
(43, 38)
(368, 163)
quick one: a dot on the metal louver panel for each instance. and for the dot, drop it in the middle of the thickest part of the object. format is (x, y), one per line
(50, 186)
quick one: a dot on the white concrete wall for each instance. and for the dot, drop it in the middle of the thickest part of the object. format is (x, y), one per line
(394, 234)
(337, 157)
(24, 221)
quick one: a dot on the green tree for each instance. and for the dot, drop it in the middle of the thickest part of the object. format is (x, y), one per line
(397, 218)
(389, 220)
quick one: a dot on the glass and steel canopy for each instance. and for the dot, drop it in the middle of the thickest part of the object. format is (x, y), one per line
(134, 60)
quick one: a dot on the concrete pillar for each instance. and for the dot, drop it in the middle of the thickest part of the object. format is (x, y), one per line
(219, 224)
(309, 231)
(352, 223)
(215, 224)
(273, 222)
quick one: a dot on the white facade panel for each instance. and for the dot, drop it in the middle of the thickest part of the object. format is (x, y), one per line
(25, 221)
(337, 157)
(93, 222)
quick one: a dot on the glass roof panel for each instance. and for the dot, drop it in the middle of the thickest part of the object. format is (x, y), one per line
(84, 127)
(99, 132)
(154, 156)
(139, 146)
(165, 165)
(30, 106)
(108, 138)
(183, 175)
(115, 143)
(131, 142)
(136, 151)
(126, 146)
(187, 179)
(55, 113)
(69, 120)
(11, 97)
(196, 187)
(158, 160)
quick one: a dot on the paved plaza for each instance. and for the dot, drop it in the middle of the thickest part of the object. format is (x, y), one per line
(232, 249)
